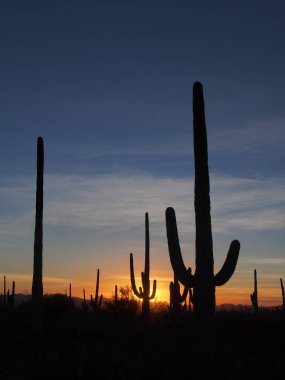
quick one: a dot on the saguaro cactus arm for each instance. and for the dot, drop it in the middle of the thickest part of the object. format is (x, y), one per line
(133, 282)
(176, 259)
(229, 266)
(184, 295)
(153, 290)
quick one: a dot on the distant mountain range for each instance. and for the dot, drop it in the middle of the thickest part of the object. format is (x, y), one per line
(20, 298)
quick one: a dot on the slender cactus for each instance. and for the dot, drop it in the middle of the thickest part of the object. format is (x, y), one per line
(283, 294)
(144, 291)
(96, 303)
(12, 295)
(84, 304)
(203, 281)
(4, 293)
(116, 295)
(37, 288)
(70, 294)
(254, 295)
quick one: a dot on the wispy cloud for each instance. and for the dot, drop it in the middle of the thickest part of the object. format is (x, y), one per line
(257, 137)
(263, 260)
(113, 203)
(179, 147)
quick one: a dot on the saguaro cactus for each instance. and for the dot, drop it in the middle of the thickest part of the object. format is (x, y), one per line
(116, 295)
(283, 294)
(70, 294)
(11, 300)
(96, 303)
(203, 281)
(176, 298)
(4, 293)
(84, 303)
(254, 295)
(144, 291)
(37, 288)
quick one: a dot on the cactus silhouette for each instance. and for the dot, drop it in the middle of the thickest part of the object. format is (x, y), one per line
(11, 297)
(96, 303)
(84, 303)
(283, 294)
(191, 300)
(70, 295)
(254, 295)
(116, 295)
(37, 288)
(176, 299)
(4, 293)
(203, 281)
(144, 291)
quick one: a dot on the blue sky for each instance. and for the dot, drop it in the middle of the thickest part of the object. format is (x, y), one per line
(108, 84)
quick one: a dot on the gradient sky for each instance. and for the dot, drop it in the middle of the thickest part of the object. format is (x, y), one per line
(108, 84)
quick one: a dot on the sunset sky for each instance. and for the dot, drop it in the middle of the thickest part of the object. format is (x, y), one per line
(108, 84)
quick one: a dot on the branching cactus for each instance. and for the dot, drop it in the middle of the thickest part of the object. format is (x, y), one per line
(176, 298)
(144, 291)
(254, 295)
(37, 288)
(203, 281)
(283, 294)
(96, 303)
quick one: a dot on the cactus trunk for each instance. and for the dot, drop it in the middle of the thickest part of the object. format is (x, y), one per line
(254, 295)
(37, 287)
(204, 290)
(97, 300)
(283, 294)
(4, 294)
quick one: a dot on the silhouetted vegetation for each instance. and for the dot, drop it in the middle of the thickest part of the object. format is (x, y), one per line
(74, 342)
(48, 337)
(96, 303)
(176, 298)
(203, 281)
(283, 295)
(144, 291)
(37, 287)
(254, 295)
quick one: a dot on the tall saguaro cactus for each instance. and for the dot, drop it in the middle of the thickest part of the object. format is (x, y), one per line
(254, 295)
(144, 291)
(37, 288)
(203, 281)
(96, 303)
(4, 293)
(283, 294)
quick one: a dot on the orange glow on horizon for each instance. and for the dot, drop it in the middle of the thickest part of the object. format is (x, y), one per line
(236, 292)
